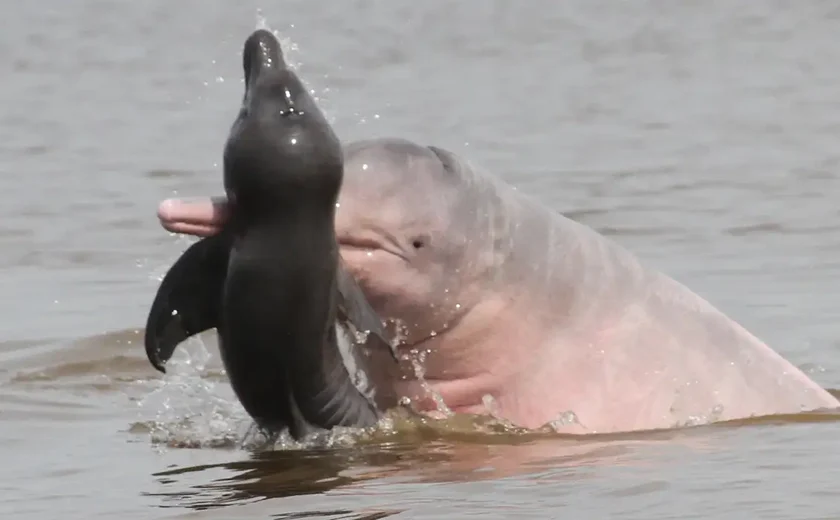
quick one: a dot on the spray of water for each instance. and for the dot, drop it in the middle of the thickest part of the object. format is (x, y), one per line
(189, 409)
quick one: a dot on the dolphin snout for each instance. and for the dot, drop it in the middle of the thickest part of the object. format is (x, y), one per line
(261, 53)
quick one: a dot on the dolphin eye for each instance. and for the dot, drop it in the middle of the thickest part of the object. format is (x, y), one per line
(418, 243)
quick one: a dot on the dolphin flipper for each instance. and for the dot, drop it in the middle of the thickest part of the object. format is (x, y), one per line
(354, 307)
(189, 298)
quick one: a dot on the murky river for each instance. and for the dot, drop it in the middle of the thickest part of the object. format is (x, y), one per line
(704, 136)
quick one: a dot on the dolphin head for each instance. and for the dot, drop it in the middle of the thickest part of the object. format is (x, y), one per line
(412, 230)
(280, 145)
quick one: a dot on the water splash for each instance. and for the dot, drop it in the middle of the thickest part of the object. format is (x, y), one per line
(262, 23)
(192, 406)
(288, 46)
(713, 416)
(490, 404)
(567, 418)
(188, 410)
(417, 359)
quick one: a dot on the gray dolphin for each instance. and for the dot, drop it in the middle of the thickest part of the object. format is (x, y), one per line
(296, 334)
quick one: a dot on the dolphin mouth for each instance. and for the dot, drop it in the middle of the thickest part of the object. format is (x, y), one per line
(369, 246)
(365, 244)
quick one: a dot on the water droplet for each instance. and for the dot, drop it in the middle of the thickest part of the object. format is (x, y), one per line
(565, 419)
(220, 79)
(365, 166)
(490, 404)
(337, 205)
(174, 312)
(294, 140)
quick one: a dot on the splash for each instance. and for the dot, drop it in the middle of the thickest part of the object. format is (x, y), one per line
(713, 416)
(289, 47)
(564, 419)
(189, 409)
(193, 406)
(417, 359)
(262, 23)
(490, 404)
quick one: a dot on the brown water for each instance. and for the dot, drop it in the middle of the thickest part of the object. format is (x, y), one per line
(704, 136)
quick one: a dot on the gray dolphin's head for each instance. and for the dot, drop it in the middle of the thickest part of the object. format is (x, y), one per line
(280, 146)
(418, 229)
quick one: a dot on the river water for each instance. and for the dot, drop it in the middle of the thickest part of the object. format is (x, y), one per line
(703, 136)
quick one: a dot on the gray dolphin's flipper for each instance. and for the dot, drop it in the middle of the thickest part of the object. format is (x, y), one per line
(354, 307)
(189, 298)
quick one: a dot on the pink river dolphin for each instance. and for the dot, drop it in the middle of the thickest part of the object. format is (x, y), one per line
(504, 306)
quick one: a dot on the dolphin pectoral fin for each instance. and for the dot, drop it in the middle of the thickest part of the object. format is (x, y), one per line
(188, 299)
(343, 396)
(355, 308)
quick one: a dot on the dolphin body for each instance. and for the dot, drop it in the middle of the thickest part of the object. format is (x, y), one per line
(296, 334)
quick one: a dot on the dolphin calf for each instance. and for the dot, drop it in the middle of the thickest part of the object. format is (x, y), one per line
(518, 311)
(296, 334)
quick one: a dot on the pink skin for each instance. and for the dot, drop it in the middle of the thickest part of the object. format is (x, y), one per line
(500, 296)
(200, 218)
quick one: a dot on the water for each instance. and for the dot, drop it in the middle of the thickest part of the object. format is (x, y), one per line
(701, 135)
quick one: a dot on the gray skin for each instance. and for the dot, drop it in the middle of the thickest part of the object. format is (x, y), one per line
(511, 308)
(296, 334)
